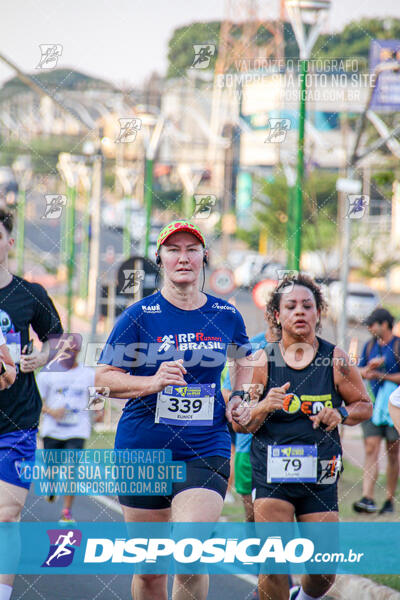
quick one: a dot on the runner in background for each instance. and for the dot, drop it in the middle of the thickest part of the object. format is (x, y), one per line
(379, 365)
(242, 464)
(309, 390)
(66, 422)
(188, 335)
(394, 408)
(229, 497)
(22, 304)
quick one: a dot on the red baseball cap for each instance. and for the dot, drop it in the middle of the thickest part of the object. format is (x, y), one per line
(176, 226)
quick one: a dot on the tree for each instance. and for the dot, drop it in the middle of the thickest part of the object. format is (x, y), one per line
(319, 212)
(55, 79)
(351, 43)
(376, 260)
(181, 53)
(355, 39)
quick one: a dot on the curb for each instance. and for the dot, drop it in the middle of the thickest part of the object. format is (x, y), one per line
(352, 587)
(349, 587)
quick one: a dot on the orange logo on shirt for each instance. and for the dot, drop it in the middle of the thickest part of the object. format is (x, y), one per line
(291, 403)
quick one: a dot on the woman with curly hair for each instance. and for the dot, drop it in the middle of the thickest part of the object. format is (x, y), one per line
(309, 389)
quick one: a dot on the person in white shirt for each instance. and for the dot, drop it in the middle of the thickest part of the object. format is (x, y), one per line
(66, 420)
(394, 408)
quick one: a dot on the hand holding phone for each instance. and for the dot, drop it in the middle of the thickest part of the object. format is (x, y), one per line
(28, 348)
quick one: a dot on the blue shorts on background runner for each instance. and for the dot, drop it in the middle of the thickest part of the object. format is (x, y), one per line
(16, 448)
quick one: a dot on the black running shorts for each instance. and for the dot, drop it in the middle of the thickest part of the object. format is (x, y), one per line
(211, 473)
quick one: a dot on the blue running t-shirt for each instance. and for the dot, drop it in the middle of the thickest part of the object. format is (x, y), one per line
(152, 331)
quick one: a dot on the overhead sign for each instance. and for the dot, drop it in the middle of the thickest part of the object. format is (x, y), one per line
(222, 281)
(261, 292)
(386, 95)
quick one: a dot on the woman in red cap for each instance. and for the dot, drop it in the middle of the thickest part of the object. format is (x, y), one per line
(172, 388)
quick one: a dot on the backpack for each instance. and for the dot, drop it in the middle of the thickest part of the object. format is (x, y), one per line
(396, 348)
(381, 414)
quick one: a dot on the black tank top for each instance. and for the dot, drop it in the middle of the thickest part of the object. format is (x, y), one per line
(310, 390)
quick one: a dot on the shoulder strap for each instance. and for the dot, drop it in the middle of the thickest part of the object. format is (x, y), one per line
(369, 347)
(261, 372)
(396, 349)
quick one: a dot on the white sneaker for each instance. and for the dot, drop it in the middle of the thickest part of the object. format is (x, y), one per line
(229, 498)
(293, 592)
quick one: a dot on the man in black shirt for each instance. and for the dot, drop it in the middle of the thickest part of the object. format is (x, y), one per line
(21, 304)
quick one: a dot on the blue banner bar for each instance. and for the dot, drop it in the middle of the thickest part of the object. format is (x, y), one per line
(343, 548)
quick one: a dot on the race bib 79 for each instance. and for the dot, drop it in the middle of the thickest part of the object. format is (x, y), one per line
(292, 464)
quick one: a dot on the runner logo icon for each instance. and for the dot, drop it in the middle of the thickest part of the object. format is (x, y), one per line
(62, 547)
(167, 342)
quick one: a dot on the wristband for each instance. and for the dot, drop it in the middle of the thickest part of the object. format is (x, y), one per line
(241, 394)
(343, 413)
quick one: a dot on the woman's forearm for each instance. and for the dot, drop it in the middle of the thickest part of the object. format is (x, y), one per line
(258, 413)
(122, 385)
(358, 412)
(241, 375)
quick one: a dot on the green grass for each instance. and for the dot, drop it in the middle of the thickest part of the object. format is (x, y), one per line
(392, 581)
(234, 512)
(350, 490)
(103, 439)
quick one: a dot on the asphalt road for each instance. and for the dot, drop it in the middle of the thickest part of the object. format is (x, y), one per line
(44, 234)
(99, 587)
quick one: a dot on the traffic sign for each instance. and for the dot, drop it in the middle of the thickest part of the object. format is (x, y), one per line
(222, 281)
(262, 291)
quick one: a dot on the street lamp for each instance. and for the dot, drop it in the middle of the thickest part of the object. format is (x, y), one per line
(155, 125)
(68, 170)
(94, 287)
(301, 13)
(23, 171)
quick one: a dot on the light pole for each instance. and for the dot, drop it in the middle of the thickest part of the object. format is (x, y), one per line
(127, 179)
(85, 178)
(23, 171)
(302, 12)
(68, 171)
(151, 146)
(351, 185)
(94, 287)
